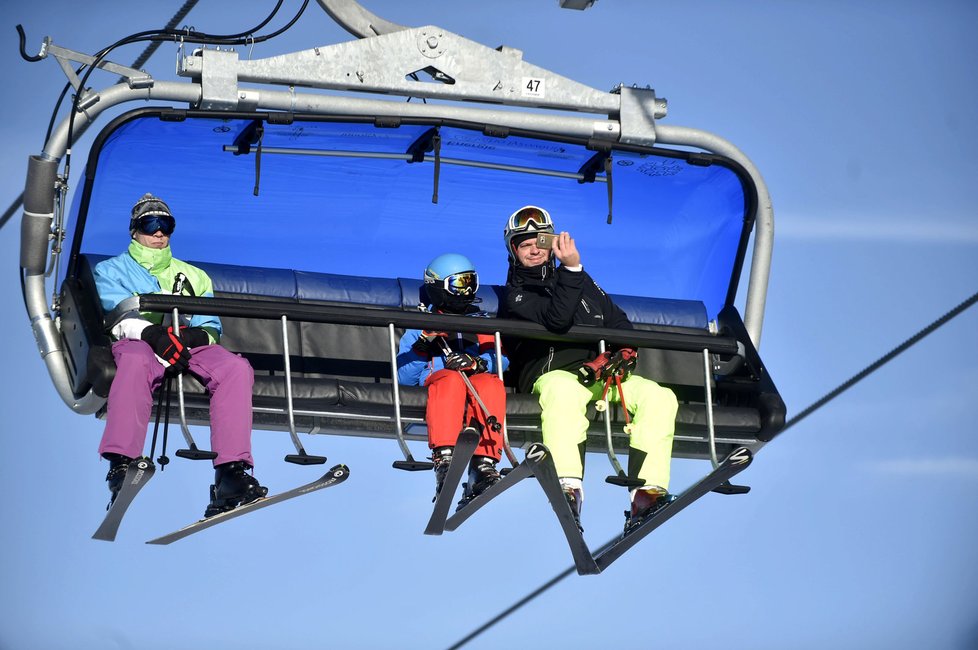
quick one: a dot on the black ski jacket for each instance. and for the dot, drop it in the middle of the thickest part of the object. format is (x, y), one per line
(556, 300)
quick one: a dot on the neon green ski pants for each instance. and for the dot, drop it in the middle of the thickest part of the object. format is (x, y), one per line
(564, 421)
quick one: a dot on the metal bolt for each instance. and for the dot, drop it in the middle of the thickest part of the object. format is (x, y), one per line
(432, 42)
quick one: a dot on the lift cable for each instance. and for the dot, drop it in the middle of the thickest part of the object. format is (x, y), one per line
(876, 365)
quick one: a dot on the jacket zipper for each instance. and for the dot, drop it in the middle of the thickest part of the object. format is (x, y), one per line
(550, 360)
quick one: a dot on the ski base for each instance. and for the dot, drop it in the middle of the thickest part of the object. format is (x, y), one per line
(334, 476)
(468, 508)
(541, 462)
(732, 465)
(138, 474)
(465, 446)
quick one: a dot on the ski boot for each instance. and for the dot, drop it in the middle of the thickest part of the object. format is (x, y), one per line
(482, 476)
(442, 458)
(645, 502)
(118, 465)
(575, 499)
(233, 487)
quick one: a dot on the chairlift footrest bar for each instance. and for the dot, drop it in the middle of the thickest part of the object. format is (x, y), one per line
(729, 488)
(196, 454)
(413, 465)
(305, 459)
(624, 481)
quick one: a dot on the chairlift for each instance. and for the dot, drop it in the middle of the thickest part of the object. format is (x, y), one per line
(314, 213)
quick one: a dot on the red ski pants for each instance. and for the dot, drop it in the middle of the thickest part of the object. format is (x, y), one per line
(451, 408)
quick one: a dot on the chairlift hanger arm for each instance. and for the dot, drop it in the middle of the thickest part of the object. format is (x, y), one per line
(354, 18)
(357, 20)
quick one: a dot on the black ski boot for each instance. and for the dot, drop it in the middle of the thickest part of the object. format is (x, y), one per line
(646, 502)
(233, 487)
(442, 458)
(482, 476)
(575, 499)
(118, 465)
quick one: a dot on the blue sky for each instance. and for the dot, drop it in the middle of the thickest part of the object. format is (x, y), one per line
(861, 526)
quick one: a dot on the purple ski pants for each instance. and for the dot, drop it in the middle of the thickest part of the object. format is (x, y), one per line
(226, 376)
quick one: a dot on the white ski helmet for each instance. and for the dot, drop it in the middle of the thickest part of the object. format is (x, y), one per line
(523, 224)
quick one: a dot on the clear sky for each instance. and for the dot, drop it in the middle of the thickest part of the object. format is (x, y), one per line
(862, 525)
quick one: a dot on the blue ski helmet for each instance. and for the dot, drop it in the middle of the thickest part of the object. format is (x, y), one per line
(451, 282)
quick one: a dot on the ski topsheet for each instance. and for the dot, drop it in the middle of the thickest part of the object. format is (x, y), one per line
(468, 508)
(730, 467)
(334, 476)
(138, 474)
(465, 446)
(539, 459)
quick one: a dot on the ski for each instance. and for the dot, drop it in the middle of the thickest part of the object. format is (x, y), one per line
(542, 465)
(468, 508)
(730, 467)
(465, 446)
(138, 474)
(334, 476)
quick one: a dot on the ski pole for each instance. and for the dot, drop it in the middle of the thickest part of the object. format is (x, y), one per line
(491, 421)
(156, 424)
(163, 460)
(624, 408)
(166, 389)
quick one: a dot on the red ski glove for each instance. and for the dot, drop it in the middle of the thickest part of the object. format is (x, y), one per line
(623, 361)
(594, 370)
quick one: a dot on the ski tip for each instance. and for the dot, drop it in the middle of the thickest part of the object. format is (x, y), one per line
(740, 456)
(339, 470)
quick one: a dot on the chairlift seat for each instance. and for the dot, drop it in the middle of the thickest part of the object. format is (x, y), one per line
(341, 375)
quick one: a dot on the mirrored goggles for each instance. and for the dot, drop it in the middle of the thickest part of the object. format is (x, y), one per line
(528, 216)
(465, 283)
(156, 222)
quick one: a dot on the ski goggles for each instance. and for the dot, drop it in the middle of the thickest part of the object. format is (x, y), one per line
(523, 218)
(465, 283)
(149, 224)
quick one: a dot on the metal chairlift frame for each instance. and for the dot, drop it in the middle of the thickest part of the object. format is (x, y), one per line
(383, 60)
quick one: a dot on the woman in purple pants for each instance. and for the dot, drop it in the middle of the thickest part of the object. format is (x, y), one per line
(146, 348)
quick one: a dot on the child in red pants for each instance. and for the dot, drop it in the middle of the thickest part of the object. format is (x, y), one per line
(437, 360)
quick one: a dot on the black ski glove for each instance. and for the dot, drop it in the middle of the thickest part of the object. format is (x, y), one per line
(427, 345)
(167, 346)
(466, 363)
(194, 337)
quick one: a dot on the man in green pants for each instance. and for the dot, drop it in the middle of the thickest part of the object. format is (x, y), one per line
(559, 297)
